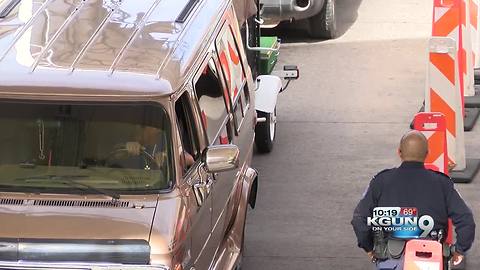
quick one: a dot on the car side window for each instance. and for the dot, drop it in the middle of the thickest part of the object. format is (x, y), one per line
(234, 74)
(190, 150)
(213, 103)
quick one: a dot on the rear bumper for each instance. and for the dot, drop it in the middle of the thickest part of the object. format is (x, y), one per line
(275, 11)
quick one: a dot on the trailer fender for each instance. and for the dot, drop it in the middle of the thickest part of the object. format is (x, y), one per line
(268, 87)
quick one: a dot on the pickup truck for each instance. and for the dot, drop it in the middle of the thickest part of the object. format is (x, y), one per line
(320, 15)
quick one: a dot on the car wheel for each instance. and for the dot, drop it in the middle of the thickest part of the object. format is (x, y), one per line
(324, 24)
(265, 131)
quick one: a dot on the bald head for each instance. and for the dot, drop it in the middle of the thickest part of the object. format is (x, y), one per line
(413, 146)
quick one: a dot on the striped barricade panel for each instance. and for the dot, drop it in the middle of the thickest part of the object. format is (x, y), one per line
(449, 20)
(433, 126)
(466, 44)
(474, 12)
(442, 94)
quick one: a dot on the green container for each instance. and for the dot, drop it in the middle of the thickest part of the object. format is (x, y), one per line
(268, 59)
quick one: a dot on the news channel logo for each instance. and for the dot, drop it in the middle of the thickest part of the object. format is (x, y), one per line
(401, 222)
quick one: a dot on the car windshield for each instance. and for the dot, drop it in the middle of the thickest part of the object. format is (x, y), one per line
(84, 147)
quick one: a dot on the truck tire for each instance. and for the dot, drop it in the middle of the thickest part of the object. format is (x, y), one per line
(324, 24)
(265, 131)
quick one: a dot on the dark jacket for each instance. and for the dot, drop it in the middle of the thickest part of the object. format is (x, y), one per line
(411, 185)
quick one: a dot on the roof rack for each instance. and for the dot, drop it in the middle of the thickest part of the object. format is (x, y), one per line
(7, 6)
(186, 11)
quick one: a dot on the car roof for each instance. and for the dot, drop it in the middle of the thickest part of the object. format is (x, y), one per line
(102, 47)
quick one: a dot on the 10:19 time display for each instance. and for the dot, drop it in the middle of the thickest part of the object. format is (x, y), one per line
(386, 211)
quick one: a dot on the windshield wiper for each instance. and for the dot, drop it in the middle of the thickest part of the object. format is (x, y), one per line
(69, 180)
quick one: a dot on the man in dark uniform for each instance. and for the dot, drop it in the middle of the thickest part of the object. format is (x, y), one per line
(411, 185)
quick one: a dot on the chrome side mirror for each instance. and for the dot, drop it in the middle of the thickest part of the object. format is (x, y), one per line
(220, 158)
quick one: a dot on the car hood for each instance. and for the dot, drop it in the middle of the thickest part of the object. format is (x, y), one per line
(139, 227)
(84, 217)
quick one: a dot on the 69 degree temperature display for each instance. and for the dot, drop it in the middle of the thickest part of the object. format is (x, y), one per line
(402, 222)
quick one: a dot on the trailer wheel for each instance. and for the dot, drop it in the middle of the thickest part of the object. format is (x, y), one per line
(265, 131)
(324, 24)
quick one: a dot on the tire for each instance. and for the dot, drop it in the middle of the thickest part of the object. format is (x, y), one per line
(324, 24)
(265, 131)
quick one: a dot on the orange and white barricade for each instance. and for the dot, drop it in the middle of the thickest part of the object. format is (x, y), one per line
(442, 95)
(465, 41)
(474, 101)
(434, 127)
(450, 20)
(449, 78)
(474, 30)
(443, 89)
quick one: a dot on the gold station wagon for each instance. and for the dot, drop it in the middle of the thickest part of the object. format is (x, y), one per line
(127, 130)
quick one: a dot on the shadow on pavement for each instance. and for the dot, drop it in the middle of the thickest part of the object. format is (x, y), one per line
(347, 13)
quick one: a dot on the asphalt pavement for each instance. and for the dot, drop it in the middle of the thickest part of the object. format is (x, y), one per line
(337, 127)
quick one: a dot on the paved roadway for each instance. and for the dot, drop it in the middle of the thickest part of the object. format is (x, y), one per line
(338, 126)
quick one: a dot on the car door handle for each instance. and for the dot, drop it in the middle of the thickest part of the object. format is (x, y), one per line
(202, 189)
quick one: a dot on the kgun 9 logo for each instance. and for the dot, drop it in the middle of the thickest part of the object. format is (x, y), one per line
(402, 222)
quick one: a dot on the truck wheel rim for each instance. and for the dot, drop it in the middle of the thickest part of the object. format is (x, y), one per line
(273, 123)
